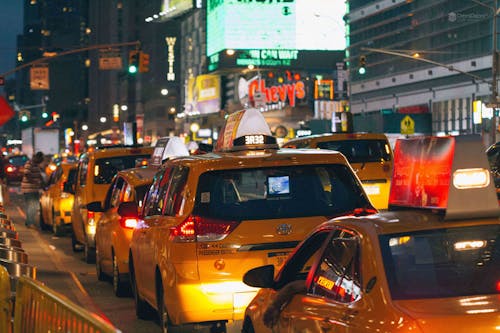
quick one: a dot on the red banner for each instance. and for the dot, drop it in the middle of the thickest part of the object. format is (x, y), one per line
(6, 112)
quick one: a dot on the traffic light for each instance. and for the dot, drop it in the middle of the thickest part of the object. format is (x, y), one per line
(133, 61)
(24, 115)
(143, 62)
(362, 65)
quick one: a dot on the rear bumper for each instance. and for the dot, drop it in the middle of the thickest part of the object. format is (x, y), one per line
(218, 301)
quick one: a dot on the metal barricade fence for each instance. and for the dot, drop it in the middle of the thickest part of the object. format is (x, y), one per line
(40, 309)
(5, 301)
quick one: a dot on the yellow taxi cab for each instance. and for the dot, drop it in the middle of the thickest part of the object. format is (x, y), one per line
(55, 202)
(96, 170)
(208, 218)
(114, 230)
(370, 155)
(431, 263)
(493, 153)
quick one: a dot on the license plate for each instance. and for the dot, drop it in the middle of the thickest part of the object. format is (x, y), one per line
(277, 258)
(372, 189)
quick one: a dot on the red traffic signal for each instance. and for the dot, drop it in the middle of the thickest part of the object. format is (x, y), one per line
(143, 62)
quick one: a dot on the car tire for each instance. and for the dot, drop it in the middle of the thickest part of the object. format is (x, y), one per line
(41, 221)
(100, 275)
(56, 227)
(119, 286)
(142, 308)
(247, 326)
(76, 246)
(89, 254)
(162, 311)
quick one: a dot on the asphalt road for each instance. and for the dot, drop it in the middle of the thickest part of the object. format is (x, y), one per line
(66, 272)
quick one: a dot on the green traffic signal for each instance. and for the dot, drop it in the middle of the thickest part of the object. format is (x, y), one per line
(132, 69)
(362, 70)
(24, 118)
(133, 61)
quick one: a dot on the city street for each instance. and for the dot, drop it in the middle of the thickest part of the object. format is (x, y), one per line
(65, 271)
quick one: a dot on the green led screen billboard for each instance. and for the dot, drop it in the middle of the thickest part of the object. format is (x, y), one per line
(275, 24)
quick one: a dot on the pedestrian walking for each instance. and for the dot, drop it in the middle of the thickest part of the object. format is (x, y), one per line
(32, 185)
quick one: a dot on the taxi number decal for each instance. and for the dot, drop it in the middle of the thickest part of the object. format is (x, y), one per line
(325, 283)
(254, 140)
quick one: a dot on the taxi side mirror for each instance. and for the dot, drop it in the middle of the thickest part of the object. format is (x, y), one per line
(128, 209)
(260, 277)
(68, 187)
(95, 206)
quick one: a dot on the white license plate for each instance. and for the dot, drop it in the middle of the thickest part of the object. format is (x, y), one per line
(372, 189)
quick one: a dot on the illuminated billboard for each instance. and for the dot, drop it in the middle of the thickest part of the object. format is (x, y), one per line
(173, 8)
(275, 25)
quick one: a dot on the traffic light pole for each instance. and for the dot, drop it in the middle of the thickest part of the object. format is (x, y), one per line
(493, 83)
(44, 59)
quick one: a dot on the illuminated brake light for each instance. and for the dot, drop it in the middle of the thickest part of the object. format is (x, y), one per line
(10, 169)
(128, 222)
(202, 229)
(469, 245)
(498, 286)
(471, 178)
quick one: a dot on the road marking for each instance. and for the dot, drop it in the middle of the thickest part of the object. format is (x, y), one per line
(21, 212)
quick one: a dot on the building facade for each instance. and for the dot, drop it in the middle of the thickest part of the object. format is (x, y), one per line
(446, 94)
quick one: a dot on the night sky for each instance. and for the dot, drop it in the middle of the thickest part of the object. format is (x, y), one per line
(11, 25)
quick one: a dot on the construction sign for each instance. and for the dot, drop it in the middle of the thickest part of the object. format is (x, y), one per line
(39, 77)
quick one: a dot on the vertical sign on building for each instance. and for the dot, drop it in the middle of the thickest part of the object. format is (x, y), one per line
(170, 57)
(39, 77)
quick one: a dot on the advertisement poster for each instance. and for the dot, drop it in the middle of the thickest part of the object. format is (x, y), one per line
(203, 95)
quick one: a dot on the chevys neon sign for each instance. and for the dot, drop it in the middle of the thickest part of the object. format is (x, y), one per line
(277, 93)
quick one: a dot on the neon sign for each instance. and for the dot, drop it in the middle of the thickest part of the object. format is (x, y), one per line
(171, 57)
(277, 93)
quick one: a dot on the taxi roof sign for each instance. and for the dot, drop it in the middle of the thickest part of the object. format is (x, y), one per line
(168, 147)
(246, 129)
(445, 173)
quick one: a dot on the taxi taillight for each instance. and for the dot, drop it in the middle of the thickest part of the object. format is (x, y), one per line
(202, 229)
(128, 222)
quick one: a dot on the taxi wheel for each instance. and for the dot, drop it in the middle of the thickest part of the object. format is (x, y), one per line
(119, 286)
(43, 226)
(98, 269)
(89, 254)
(142, 309)
(56, 227)
(247, 326)
(77, 247)
(162, 311)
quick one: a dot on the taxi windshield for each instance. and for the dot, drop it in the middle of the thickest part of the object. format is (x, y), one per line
(359, 151)
(442, 263)
(279, 192)
(106, 168)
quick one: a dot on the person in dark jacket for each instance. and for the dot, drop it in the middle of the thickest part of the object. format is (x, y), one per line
(31, 186)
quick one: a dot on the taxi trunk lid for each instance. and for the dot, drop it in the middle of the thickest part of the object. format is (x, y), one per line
(253, 243)
(472, 314)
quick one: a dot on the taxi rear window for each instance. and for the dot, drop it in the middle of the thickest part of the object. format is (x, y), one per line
(359, 151)
(106, 168)
(19, 160)
(278, 192)
(442, 263)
